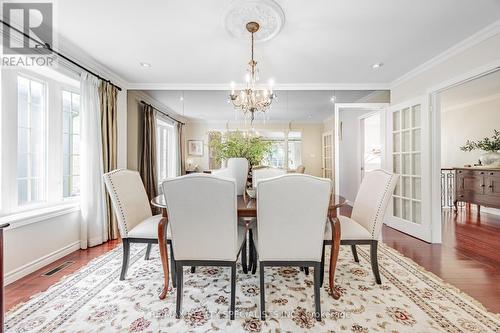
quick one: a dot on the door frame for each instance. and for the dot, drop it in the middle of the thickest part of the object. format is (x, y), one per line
(433, 94)
(382, 107)
(361, 139)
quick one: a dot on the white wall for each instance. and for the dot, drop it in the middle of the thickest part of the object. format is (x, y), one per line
(469, 59)
(311, 140)
(471, 122)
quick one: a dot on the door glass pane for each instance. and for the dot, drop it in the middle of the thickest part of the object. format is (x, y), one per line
(416, 210)
(415, 139)
(406, 187)
(406, 141)
(397, 190)
(416, 115)
(416, 188)
(406, 209)
(416, 164)
(396, 120)
(397, 142)
(406, 119)
(406, 164)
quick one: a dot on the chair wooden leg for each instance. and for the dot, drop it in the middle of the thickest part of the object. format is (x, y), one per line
(180, 282)
(322, 267)
(262, 294)
(317, 302)
(193, 269)
(172, 266)
(126, 256)
(233, 292)
(148, 252)
(306, 270)
(244, 257)
(255, 259)
(354, 253)
(374, 261)
(251, 260)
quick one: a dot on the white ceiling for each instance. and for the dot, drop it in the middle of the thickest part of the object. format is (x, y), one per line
(294, 105)
(471, 92)
(322, 41)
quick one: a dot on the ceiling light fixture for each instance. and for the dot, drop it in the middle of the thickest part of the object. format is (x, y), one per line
(145, 64)
(252, 100)
(377, 65)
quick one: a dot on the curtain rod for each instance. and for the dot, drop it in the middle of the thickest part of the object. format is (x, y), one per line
(48, 47)
(163, 113)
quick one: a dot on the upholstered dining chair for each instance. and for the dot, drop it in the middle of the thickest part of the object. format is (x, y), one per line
(291, 214)
(237, 168)
(203, 218)
(136, 223)
(365, 223)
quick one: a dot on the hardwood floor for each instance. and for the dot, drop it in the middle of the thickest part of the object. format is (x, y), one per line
(21, 290)
(468, 258)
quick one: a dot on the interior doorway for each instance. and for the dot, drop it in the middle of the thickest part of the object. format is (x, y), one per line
(370, 138)
(359, 144)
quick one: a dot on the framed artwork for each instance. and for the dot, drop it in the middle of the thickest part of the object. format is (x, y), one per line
(195, 147)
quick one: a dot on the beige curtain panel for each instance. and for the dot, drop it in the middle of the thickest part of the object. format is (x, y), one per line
(107, 96)
(147, 163)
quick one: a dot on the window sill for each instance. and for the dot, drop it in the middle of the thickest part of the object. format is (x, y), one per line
(18, 220)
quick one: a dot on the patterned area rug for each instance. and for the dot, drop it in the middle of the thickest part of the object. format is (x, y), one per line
(409, 300)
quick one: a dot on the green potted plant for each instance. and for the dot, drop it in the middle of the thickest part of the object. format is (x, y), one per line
(491, 146)
(240, 144)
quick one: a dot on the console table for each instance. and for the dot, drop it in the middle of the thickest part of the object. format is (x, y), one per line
(477, 185)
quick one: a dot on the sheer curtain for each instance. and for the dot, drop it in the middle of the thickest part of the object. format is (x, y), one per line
(94, 229)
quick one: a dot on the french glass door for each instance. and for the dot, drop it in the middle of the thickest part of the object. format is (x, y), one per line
(410, 151)
(327, 155)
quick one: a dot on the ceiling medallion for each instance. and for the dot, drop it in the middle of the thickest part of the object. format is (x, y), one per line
(252, 100)
(267, 13)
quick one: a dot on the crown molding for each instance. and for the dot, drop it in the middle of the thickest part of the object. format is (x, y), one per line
(284, 86)
(141, 95)
(480, 36)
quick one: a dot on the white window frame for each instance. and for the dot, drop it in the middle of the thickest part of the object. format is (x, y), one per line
(10, 211)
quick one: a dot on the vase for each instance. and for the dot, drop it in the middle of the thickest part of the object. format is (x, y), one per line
(490, 159)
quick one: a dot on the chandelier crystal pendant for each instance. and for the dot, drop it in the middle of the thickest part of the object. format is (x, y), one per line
(252, 100)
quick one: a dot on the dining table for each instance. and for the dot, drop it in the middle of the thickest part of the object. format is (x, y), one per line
(247, 208)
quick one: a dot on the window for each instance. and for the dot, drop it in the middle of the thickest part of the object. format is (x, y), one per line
(71, 143)
(276, 157)
(166, 150)
(31, 145)
(41, 168)
(294, 150)
(286, 149)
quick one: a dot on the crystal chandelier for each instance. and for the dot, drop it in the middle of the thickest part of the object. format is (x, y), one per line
(252, 100)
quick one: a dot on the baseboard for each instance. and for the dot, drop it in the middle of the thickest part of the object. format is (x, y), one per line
(29, 268)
